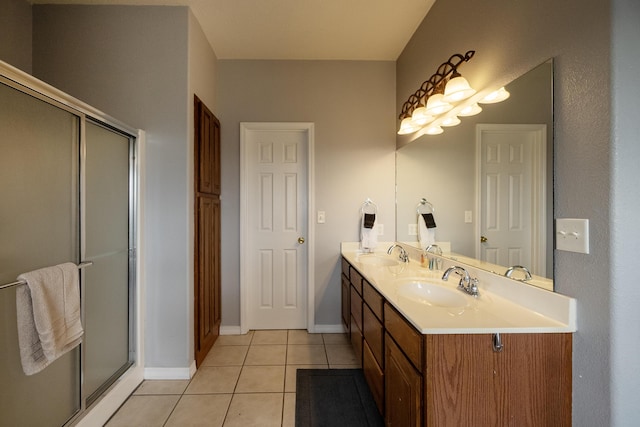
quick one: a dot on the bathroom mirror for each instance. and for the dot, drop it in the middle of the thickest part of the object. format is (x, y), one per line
(487, 217)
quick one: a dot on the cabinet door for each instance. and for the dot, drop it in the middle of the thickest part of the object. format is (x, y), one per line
(527, 383)
(403, 388)
(374, 376)
(207, 129)
(346, 304)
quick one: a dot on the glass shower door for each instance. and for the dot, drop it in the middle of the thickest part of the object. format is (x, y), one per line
(107, 240)
(38, 228)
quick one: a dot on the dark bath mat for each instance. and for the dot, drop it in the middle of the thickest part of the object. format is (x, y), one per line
(334, 397)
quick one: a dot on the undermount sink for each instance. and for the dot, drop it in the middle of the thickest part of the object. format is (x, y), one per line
(428, 293)
(372, 259)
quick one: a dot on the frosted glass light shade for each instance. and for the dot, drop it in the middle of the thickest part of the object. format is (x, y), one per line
(407, 126)
(433, 129)
(450, 121)
(420, 116)
(470, 110)
(496, 96)
(457, 89)
(437, 105)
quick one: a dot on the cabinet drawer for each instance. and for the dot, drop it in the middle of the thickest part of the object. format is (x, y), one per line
(373, 334)
(407, 337)
(374, 376)
(345, 267)
(373, 299)
(356, 308)
(356, 280)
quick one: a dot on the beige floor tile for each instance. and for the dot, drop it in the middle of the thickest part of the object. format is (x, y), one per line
(290, 375)
(336, 338)
(234, 339)
(341, 355)
(269, 337)
(306, 355)
(144, 411)
(214, 379)
(200, 410)
(261, 379)
(267, 355)
(226, 355)
(289, 410)
(255, 410)
(300, 336)
(162, 387)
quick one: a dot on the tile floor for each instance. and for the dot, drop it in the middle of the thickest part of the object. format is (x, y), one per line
(246, 380)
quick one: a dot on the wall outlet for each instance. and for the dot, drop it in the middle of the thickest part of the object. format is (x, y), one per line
(412, 229)
(572, 235)
(380, 228)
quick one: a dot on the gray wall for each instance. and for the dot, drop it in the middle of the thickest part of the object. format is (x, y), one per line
(595, 154)
(625, 205)
(138, 64)
(15, 33)
(351, 104)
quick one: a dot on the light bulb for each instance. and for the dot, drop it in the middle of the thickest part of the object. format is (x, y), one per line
(433, 129)
(450, 121)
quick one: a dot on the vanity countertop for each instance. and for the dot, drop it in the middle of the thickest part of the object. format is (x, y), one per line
(503, 305)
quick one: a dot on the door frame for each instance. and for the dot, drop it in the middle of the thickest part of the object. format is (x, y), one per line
(245, 258)
(538, 192)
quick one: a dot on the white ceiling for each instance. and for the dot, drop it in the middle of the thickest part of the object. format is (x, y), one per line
(299, 29)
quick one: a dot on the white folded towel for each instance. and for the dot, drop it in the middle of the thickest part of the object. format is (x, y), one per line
(368, 233)
(427, 236)
(48, 315)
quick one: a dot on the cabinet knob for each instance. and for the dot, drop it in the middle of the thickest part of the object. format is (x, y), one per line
(301, 240)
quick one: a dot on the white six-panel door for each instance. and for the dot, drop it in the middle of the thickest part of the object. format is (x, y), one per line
(510, 191)
(275, 226)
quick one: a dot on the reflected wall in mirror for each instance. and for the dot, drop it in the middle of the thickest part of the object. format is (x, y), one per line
(453, 171)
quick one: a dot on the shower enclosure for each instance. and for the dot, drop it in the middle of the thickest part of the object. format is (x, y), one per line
(67, 193)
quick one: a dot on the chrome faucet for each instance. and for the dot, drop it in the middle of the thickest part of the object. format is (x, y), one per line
(403, 256)
(527, 273)
(466, 283)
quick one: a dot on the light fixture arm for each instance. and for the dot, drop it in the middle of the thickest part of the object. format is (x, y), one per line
(435, 83)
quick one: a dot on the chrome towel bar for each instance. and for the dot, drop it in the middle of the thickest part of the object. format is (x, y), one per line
(22, 282)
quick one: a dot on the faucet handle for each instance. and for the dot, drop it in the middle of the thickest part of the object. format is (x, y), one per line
(473, 287)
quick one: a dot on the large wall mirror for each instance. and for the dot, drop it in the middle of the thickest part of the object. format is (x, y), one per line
(490, 181)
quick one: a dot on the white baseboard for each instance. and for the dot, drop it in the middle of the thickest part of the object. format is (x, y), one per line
(107, 405)
(328, 329)
(230, 330)
(169, 373)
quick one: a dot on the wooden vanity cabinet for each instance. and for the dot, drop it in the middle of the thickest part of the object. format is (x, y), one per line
(528, 383)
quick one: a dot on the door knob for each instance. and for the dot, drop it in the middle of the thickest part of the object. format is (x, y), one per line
(483, 239)
(301, 240)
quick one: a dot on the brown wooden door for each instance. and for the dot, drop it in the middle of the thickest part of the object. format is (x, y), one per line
(207, 230)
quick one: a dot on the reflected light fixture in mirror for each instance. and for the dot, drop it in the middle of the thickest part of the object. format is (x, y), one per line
(426, 109)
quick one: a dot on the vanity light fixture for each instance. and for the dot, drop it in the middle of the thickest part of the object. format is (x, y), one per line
(429, 100)
(443, 98)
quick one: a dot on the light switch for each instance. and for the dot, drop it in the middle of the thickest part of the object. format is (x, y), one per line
(572, 235)
(321, 217)
(412, 230)
(380, 229)
(467, 217)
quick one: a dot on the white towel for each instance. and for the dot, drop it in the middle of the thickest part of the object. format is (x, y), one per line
(368, 236)
(426, 235)
(48, 315)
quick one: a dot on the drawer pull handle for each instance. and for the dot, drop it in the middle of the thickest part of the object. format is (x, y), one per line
(497, 343)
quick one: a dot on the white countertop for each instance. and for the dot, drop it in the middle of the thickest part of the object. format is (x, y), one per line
(504, 305)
